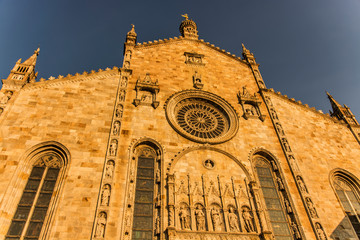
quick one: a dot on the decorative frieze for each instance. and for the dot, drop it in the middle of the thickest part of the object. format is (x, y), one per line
(194, 58)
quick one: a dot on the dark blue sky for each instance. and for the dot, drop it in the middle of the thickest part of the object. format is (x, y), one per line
(304, 47)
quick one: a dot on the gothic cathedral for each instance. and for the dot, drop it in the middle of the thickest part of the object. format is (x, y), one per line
(184, 141)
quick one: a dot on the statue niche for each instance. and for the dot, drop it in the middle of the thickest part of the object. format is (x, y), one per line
(250, 105)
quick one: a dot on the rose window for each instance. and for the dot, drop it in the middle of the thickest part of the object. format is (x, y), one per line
(202, 116)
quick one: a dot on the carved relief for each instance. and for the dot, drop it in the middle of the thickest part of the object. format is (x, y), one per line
(122, 95)
(200, 218)
(288, 206)
(113, 147)
(5, 97)
(273, 114)
(116, 128)
(100, 225)
(311, 207)
(248, 219)
(194, 58)
(126, 64)
(320, 231)
(124, 82)
(197, 81)
(250, 105)
(295, 230)
(128, 55)
(233, 220)
(209, 164)
(301, 184)
(119, 111)
(286, 145)
(146, 92)
(109, 169)
(184, 215)
(216, 218)
(105, 195)
(280, 184)
(280, 129)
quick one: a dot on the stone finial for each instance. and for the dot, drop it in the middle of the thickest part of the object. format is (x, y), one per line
(131, 36)
(188, 28)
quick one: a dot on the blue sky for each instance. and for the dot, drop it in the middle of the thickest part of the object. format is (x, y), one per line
(303, 47)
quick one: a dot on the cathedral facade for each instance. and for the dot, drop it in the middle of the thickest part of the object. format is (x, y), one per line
(184, 141)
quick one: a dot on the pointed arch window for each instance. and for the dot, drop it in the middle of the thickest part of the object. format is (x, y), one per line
(271, 184)
(348, 195)
(147, 195)
(32, 209)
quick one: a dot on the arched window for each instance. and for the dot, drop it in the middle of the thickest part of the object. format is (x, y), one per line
(277, 204)
(33, 209)
(348, 193)
(147, 194)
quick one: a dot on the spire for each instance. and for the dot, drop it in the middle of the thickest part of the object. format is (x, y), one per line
(341, 112)
(188, 28)
(31, 61)
(131, 36)
(247, 55)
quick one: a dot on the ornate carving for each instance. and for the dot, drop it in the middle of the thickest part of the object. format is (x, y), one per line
(288, 206)
(209, 164)
(184, 218)
(5, 96)
(295, 230)
(286, 144)
(146, 91)
(248, 219)
(200, 218)
(194, 58)
(109, 169)
(216, 218)
(273, 114)
(280, 184)
(250, 105)
(201, 116)
(301, 184)
(320, 231)
(49, 161)
(124, 82)
(113, 147)
(100, 225)
(311, 207)
(279, 128)
(105, 195)
(233, 220)
(116, 128)
(122, 95)
(119, 111)
(197, 81)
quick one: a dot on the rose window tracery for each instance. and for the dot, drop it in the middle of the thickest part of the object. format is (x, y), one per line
(202, 116)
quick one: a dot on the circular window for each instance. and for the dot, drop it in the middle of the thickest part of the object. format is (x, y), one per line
(202, 116)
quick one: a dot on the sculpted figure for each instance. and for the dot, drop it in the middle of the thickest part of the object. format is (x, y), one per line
(109, 169)
(273, 164)
(105, 196)
(157, 226)
(158, 176)
(5, 97)
(280, 183)
(286, 145)
(287, 205)
(248, 220)
(216, 219)
(301, 184)
(119, 111)
(273, 113)
(116, 128)
(122, 95)
(233, 221)
(295, 231)
(279, 128)
(320, 232)
(100, 225)
(113, 147)
(184, 219)
(311, 208)
(200, 219)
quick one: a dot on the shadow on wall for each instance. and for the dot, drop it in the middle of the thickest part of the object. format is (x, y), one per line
(344, 231)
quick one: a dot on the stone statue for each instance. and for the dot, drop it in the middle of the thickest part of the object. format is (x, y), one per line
(287, 205)
(216, 219)
(184, 219)
(286, 145)
(109, 169)
(273, 113)
(200, 219)
(320, 232)
(116, 128)
(105, 196)
(100, 225)
(311, 208)
(279, 128)
(295, 231)
(301, 184)
(233, 221)
(122, 95)
(113, 148)
(280, 183)
(158, 176)
(248, 220)
(273, 164)
(119, 111)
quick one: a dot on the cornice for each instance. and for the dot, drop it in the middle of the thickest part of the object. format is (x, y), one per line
(60, 80)
(151, 44)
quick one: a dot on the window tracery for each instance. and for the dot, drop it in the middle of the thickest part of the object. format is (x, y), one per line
(32, 209)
